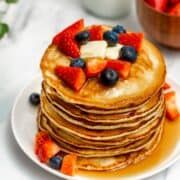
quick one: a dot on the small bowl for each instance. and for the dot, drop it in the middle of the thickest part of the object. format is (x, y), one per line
(160, 26)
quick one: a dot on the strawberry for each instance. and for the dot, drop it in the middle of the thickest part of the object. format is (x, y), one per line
(173, 2)
(166, 86)
(171, 107)
(122, 67)
(175, 10)
(94, 67)
(96, 33)
(159, 5)
(69, 164)
(73, 76)
(47, 150)
(131, 39)
(40, 139)
(70, 30)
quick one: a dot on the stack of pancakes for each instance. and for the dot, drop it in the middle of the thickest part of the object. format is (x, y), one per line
(108, 128)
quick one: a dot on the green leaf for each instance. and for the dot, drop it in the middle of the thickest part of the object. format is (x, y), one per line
(11, 1)
(3, 29)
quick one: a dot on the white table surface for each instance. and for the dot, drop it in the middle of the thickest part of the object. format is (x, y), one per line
(33, 24)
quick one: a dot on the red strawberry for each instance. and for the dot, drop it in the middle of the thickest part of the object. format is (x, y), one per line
(175, 10)
(69, 164)
(122, 67)
(73, 76)
(171, 107)
(94, 67)
(166, 86)
(40, 139)
(131, 39)
(47, 150)
(71, 31)
(96, 33)
(173, 2)
(159, 5)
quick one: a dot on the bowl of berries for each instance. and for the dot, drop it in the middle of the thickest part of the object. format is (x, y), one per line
(160, 20)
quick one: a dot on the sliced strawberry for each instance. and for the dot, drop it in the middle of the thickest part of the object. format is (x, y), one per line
(40, 139)
(166, 86)
(73, 76)
(171, 106)
(131, 39)
(47, 150)
(94, 67)
(71, 31)
(68, 166)
(96, 33)
(175, 10)
(122, 67)
(159, 5)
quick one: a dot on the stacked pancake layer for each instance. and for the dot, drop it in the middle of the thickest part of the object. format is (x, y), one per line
(107, 128)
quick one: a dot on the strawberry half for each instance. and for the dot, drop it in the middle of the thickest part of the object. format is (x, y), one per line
(96, 33)
(70, 30)
(175, 10)
(72, 76)
(122, 67)
(171, 106)
(159, 5)
(131, 39)
(94, 67)
(166, 86)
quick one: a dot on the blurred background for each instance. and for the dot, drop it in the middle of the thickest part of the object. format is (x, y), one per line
(27, 28)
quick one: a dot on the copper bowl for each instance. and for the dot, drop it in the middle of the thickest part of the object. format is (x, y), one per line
(160, 26)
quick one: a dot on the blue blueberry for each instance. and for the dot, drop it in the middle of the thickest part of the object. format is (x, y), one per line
(109, 77)
(34, 99)
(82, 37)
(111, 38)
(128, 53)
(78, 63)
(119, 29)
(55, 162)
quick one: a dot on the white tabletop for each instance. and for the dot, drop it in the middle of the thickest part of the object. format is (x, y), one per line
(33, 24)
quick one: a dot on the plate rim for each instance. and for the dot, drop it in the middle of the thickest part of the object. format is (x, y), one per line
(58, 173)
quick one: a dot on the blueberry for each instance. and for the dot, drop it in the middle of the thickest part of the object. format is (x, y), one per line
(78, 63)
(34, 99)
(55, 162)
(119, 29)
(111, 38)
(109, 77)
(82, 37)
(128, 53)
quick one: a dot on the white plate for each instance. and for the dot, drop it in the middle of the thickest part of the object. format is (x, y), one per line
(24, 127)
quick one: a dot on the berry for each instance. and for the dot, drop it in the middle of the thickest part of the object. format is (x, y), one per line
(78, 63)
(34, 99)
(159, 5)
(69, 164)
(166, 86)
(131, 39)
(118, 29)
(71, 30)
(111, 37)
(171, 106)
(109, 77)
(96, 33)
(175, 10)
(55, 162)
(94, 67)
(128, 53)
(82, 37)
(122, 67)
(72, 76)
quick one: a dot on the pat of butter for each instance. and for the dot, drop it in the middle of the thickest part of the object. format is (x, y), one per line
(94, 49)
(113, 52)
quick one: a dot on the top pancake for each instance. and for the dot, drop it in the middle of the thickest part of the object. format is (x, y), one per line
(146, 78)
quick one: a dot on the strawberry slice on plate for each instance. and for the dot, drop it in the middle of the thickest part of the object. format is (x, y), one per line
(159, 5)
(96, 33)
(72, 76)
(94, 67)
(171, 107)
(131, 39)
(175, 10)
(122, 67)
(70, 30)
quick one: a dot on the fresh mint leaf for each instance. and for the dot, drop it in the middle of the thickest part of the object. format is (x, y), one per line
(3, 29)
(11, 1)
